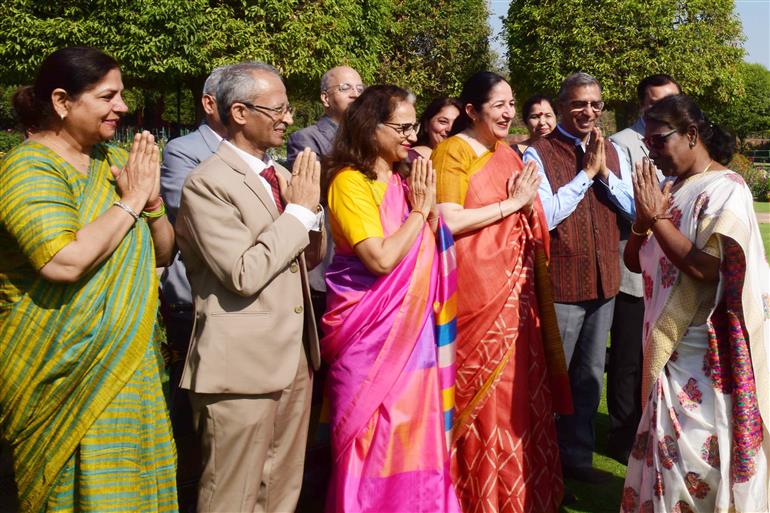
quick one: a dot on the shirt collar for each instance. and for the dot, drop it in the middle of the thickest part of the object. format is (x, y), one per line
(575, 140)
(256, 164)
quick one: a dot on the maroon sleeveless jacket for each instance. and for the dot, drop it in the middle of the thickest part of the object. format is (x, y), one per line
(585, 261)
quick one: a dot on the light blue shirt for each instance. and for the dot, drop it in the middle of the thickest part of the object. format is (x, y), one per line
(559, 205)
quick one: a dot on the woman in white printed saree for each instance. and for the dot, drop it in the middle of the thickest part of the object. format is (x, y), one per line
(702, 441)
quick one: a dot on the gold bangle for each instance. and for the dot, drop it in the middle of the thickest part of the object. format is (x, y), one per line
(640, 234)
(424, 219)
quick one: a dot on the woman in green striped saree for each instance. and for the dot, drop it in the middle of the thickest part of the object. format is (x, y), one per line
(81, 230)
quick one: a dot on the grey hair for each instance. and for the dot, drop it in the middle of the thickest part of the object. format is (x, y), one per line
(237, 84)
(326, 79)
(212, 82)
(579, 79)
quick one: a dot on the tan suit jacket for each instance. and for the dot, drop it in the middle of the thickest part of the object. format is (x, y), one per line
(248, 273)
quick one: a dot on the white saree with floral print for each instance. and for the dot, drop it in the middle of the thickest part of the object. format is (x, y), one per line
(702, 443)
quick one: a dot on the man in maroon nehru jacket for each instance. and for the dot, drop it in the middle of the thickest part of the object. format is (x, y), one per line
(585, 186)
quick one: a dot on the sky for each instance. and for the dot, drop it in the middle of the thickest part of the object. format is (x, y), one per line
(754, 15)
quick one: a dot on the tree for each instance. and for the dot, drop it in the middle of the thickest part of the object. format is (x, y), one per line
(432, 47)
(749, 112)
(168, 45)
(622, 41)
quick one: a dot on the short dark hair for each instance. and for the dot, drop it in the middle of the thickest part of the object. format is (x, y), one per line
(475, 92)
(680, 112)
(355, 144)
(430, 112)
(532, 101)
(658, 80)
(74, 69)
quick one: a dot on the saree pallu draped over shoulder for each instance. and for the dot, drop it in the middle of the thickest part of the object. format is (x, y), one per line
(67, 351)
(388, 380)
(511, 371)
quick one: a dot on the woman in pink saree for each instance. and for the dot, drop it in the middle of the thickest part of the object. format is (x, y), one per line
(389, 300)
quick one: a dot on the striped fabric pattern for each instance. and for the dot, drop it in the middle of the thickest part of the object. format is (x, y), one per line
(445, 308)
(67, 350)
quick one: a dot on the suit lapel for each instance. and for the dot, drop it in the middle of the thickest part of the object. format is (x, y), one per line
(250, 178)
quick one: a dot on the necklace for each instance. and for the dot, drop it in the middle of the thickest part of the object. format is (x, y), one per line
(679, 181)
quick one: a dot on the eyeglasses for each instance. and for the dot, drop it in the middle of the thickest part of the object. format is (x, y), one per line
(346, 87)
(280, 111)
(404, 129)
(582, 104)
(656, 141)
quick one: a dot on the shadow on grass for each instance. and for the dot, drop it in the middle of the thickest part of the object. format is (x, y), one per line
(603, 498)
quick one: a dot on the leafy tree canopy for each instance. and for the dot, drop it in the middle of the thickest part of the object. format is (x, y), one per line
(622, 41)
(750, 112)
(429, 47)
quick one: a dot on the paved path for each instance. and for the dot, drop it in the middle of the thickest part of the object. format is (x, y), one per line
(763, 217)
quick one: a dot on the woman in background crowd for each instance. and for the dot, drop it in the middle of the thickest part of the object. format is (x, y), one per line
(540, 117)
(389, 452)
(435, 124)
(82, 229)
(701, 442)
(504, 450)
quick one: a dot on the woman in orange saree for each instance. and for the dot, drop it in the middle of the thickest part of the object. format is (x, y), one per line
(511, 374)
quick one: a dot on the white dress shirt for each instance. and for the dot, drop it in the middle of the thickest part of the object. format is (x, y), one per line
(312, 220)
(560, 204)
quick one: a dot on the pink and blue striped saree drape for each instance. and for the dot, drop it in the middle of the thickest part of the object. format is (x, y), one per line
(389, 381)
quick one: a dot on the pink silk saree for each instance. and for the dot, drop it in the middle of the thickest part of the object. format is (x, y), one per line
(385, 382)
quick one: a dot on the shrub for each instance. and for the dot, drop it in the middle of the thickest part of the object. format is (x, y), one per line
(9, 139)
(756, 178)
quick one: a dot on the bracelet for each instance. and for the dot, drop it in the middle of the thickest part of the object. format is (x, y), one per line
(640, 234)
(155, 213)
(424, 219)
(500, 206)
(658, 217)
(128, 209)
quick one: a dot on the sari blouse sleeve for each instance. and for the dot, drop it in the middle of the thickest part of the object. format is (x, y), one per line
(452, 160)
(37, 206)
(354, 207)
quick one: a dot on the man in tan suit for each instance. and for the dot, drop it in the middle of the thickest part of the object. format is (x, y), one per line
(247, 368)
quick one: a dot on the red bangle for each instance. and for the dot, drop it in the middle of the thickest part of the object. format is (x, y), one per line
(155, 206)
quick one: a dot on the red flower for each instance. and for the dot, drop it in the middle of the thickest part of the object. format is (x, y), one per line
(630, 501)
(668, 452)
(647, 285)
(696, 486)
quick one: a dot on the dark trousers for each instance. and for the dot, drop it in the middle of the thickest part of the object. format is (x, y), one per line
(624, 375)
(178, 330)
(584, 329)
(318, 457)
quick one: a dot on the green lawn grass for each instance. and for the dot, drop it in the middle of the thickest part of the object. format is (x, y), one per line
(764, 229)
(762, 206)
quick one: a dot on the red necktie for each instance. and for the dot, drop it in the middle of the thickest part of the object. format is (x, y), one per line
(269, 174)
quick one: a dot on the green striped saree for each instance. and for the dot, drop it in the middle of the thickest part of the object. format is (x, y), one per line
(80, 393)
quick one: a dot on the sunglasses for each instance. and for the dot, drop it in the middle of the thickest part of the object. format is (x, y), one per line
(404, 129)
(656, 141)
(582, 104)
